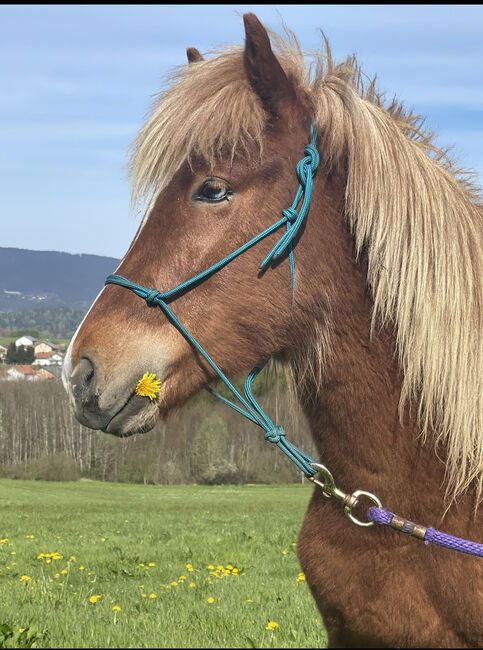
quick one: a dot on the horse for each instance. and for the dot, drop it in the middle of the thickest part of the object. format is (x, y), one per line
(373, 306)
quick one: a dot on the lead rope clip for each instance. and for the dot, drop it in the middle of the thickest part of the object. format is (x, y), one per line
(349, 501)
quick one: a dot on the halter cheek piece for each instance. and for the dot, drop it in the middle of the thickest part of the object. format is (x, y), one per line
(292, 218)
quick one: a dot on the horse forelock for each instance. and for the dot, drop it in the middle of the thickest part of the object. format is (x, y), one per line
(408, 207)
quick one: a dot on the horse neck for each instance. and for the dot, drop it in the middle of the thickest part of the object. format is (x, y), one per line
(353, 410)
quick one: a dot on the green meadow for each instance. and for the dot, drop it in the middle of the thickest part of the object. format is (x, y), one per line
(92, 565)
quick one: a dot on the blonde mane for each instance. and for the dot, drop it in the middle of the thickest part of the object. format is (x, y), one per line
(416, 217)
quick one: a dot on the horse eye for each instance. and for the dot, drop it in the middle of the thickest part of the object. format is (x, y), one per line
(213, 190)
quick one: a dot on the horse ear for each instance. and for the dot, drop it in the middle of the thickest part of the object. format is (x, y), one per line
(263, 70)
(193, 55)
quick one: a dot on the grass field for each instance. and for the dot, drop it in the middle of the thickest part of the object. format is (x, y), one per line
(92, 565)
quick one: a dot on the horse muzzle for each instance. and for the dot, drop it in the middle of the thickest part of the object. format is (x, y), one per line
(113, 408)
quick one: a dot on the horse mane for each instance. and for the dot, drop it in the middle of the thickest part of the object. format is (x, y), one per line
(413, 213)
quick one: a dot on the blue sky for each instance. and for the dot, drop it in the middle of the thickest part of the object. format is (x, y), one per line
(77, 82)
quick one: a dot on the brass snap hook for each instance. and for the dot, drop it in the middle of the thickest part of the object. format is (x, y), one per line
(349, 501)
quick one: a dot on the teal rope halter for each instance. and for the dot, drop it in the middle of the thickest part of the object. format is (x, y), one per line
(248, 406)
(292, 219)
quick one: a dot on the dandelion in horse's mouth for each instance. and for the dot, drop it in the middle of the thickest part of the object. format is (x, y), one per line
(148, 386)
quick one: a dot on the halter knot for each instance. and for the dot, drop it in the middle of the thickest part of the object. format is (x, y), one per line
(313, 154)
(151, 296)
(275, 434)
(290, 214)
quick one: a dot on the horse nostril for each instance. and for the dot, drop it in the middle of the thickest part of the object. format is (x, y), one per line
(83, 380)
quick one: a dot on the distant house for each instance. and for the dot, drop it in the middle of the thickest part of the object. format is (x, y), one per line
(44, 346)
(48, 359)
(43, 374)
(21, 372)
(3, 351)
(15, 373)
(28, 341)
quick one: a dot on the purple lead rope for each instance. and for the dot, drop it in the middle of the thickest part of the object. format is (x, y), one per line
(428, 535)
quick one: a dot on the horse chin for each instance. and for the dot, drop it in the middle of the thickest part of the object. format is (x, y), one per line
(136, 416)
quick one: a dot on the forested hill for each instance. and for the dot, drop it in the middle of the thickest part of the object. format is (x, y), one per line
(31, 279)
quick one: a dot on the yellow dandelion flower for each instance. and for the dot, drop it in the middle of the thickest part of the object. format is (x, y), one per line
(148, 386)
(174, 583)
(116, 608)
(249, 600)
(210, 600)
(103, 539)
(64, 571)
(24, 578)
(94, 599)
(81, 568)
(235, 571)
(151, 564)
(192, 584)
(152, 596)
(272, 625)
(211, 567)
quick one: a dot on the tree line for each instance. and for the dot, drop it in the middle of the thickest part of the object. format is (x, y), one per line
(55, 322)
(204, 442)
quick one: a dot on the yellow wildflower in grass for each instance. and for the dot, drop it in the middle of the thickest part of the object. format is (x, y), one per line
(103, 539)
(210, 600)
(189, 567)
(272, 625)
(151, 564)
(192, 584)
(116, 608)
(24, 578)
(174, 583)
(235, 572)
(4, 540)
(81, 568)
(284, 552)
(152, 596)
(211, 567)
(94, 599)
(301, 577)
(148, 386)
(64, 571)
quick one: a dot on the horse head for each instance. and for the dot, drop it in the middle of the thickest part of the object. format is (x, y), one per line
(220, 154)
